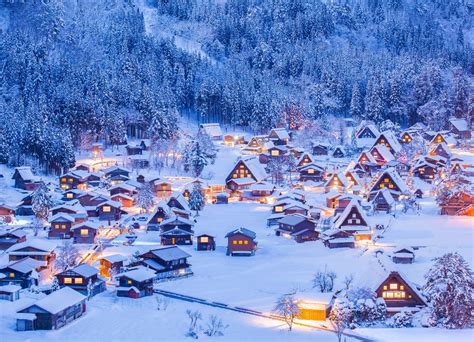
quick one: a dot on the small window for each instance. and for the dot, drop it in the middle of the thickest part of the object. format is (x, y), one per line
(246, 242)
(240, 242)
(71, 180)
(69, 195)
(129, 282)
(12, 275)
(56, 226)
(204, 239)
(275, 153)
(386, 180)
(393, 286)
(106, 209)
(382, 186)
(63, 226)
(159, 219)
(278, 209)
(310, 171)
(84, 232)
(234, 242)
(67, 280)
(78, 281)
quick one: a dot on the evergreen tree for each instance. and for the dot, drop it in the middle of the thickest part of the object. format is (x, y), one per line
(41, 202)
(196, 198)
(340, 316)
(450, 289)
(145, 198)
(356, 108)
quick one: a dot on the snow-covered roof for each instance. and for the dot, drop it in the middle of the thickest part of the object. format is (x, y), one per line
(311, 165)
(292, 219)
(114, 204)
(61, 217)
(255, 168)
(10, 288)
(175, 218)
(243, 231)
(212, 129)
(170, 253)
(385, 193)
(392, 173)
(115, 168)
(342, 178)
(139, 274)
(25, 173)
(262, 186)
(384, 152)
(16, 232)
(281, 133)
(123, 186)
(59, 300)
(181, 200)
(177, 231)
(115, 258)
(369, 156)
(460, 124)
(338, 223)
(366, 125)
(305, 155)
(25, 265)
(85, 270)
(43, 245)
(242, 181)
(391, 140)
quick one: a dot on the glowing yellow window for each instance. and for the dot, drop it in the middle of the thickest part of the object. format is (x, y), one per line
(84, 232)
(12, 275)
(56, 226)
(311, 171)
(69, 195)
(67, 280)
(78, 281)
(106, 209)
(163, 187)
(246, 242)
(382, 186)
(385, 287)
(393, 286)
(275, 153)
(386, 180)
(240, 242)
(63, 179)
(235, 175)
(159, 219)
(129, 281)
(278, 209)
(402, 287)
(71, 180)
(234, 242)
(390, 186)
(63, 226)
(204, 239)
(382, 141)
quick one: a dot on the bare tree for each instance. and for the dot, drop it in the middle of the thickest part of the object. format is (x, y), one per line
(194, 317)
(348, 281)
(215, 326)
(324, 280)
(287, 307)
(340, 316)
(66, 257)
(162, 302)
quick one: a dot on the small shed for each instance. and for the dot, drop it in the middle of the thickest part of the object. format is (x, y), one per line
(241, 241)
(111, 264)
(403, 255)
(10, 292)
(315, 306)
(222, 198)
(205, 243)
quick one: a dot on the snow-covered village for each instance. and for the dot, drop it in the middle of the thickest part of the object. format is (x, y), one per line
(233, 170)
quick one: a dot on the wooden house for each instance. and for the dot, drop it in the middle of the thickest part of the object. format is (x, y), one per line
(109, 211)
(25, 179)
(257, 144)
(387, 138)
(425, 169)
(82, 278)
(260, 192)
(407, 137)
(73, 180)
(339, 152)
(341, 201)
(53, 311)
(161, 213)
(337, 181)
(175, 221)
(403, 255)
(315, 306)
(441, 150)
(72, 194)
(71, 208)
(418, 193)
(123, 188)
(9, 238)
(279, 136)
(458, 203)
(92, 199)
(244, 173)
(21, 272)
(177, 200)
(125, 200)
(82, 167)
(335, 238)
(383, 201)
(111, 264)
(391, 180)
(460, 128)
(134, 149)
(7, 213)
(117, 174)
(398, 293)
(273, 152)
(311, 172)
(353, 178)
(442, 137)
(168, 261)
(176, 236)
(213, 130)
(320, 149)
(297, 227)
(136, 283)
(40, 250)
(85, 232)
(367, 130)
(304, 160)
(161, 187)
(353, 220)
(241, 241)
(205, 243)
(10, 292)
(61, 225)
(381, 154)
(24, 208)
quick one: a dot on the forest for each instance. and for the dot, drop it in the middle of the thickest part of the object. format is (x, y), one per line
(78, 71)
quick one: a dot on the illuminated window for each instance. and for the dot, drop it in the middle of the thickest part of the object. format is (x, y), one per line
(63, 179)
(163, 187)
(63, 226)
(204, 239)
(278, 209)
(71, 180)
(234, 175)
(56, 226)
(106, 209)
(129, 281)
(240, 242)
(393, 294)
(275, 153)
(402, 287)
(78, 281)
(12, 275)
(385, 287)
(69, 195)
(311, 171)
(67, 280)
(386, 180)
(381, 186)
(159, 219)
(234, 242)
(246, 242)
(393, 286)
(84, 232)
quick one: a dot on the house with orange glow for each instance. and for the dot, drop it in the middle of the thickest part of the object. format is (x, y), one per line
(391, 180)
(337, 181)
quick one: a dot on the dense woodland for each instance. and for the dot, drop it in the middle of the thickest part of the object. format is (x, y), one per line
(74, 72)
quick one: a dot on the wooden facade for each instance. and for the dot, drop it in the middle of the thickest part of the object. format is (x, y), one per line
(241, 242)
(398, 293)
(79, 278)
(205, 243)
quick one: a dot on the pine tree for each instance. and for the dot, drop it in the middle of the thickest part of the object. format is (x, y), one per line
(450, 290)
(145, 199)
(461, 97)
(356, 107)
(340, 316)
(198, 159)
(196, 198)
(41, 202)
(374, 99)
(55, 285)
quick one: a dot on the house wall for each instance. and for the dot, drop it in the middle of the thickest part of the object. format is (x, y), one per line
(237, 247)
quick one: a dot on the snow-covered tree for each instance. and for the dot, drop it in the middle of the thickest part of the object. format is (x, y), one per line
(90, 289)
(449, 288)
(196, 198)
(67, 256)
(402, 319)
(41, 202)
(55, 285)
(145, 198)
(340, 316)
(194, 318)
(215, 326)
(324, 280)
(287, 307)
